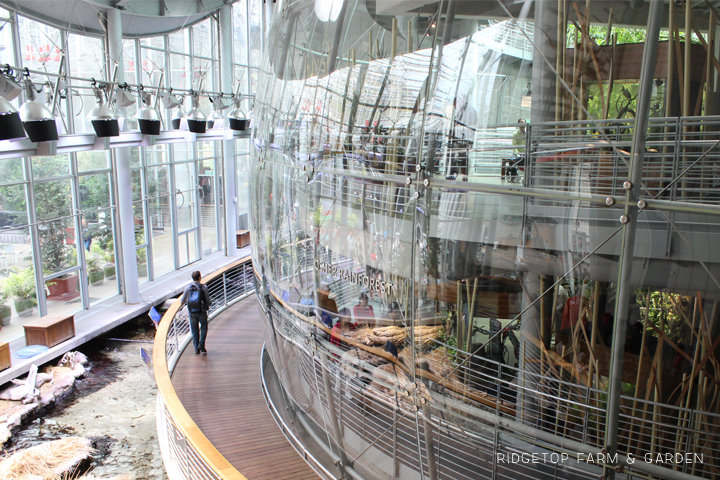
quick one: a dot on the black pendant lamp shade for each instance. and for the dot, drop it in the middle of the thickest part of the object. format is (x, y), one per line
(148, 116)
(37, 119)
(237, 117)
(10, 125)
(102, 117)
(196, 120)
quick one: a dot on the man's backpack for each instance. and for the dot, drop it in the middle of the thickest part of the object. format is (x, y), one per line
(194, 301)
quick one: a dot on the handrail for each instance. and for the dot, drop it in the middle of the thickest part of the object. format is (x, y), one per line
(166, 392)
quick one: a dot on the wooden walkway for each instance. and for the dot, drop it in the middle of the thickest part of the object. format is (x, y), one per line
(222, 393)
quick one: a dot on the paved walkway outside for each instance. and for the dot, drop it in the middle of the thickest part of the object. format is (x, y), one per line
(222, 392)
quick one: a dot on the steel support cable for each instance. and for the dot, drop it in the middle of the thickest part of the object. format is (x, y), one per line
(517, 317)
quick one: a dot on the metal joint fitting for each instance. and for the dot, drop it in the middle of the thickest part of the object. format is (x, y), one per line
(642, 204)
(627, 185)
(426, 182)
(417, 195)
(419, 168)
(609, 201)
(624, 219)
(408, 180)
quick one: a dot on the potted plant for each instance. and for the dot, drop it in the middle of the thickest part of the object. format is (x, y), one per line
(96, 275)
(107, 259)
(5, 310)
(20, 285)
(142, 262)
(58, 256)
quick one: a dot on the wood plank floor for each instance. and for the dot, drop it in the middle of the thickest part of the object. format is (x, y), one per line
(222, 393)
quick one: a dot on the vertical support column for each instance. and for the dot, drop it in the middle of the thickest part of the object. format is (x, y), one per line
(637, 155)
(121, 165)
(229, 167)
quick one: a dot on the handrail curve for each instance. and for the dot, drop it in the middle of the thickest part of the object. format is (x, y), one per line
(213, 459)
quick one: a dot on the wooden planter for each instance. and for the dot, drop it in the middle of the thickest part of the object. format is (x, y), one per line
(63, 288)
(5, 360)
(50, 330)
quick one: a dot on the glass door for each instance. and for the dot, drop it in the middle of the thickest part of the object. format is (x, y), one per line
(187, 213)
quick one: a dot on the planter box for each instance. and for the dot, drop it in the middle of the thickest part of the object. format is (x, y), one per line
(24, 306)
(243, 238)
(50, 330)
(109, 271)
(5, 316)
(5, 359)
(63, 289)
(96, 278)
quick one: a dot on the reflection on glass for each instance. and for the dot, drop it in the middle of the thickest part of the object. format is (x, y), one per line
(390, 220)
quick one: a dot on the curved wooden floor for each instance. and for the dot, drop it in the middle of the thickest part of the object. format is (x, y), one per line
(222, 393)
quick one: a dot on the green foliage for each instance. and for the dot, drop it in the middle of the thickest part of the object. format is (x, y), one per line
(19, 284)
(668, 308)
(105, 243)
(94, 260)
(141, 255)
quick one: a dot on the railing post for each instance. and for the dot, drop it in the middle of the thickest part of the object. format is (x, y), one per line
(225, 296)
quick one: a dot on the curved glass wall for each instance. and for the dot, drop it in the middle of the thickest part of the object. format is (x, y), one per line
(485, 230)
(58, 213)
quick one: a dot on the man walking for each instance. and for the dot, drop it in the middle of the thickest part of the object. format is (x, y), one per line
(198, 302)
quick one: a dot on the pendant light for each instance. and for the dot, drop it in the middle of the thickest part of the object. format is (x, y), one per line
(237, 116)
(102, 117)
(37, 119)
(10, 124)
(196, 120)
(217, 119)
(148, 116)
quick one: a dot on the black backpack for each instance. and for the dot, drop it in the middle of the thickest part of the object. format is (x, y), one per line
(194, 301)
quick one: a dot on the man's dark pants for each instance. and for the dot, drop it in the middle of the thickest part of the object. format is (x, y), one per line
(201, 319)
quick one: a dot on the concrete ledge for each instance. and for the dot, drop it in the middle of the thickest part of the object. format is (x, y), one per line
(111, 312)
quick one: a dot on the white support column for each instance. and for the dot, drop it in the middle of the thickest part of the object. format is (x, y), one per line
(229, 167)
(121, 165)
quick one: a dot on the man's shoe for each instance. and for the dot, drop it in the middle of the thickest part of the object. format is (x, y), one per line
(202, 349)
(197, 351)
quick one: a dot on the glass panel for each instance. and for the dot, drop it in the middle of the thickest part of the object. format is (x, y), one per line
(182, 152)
(153, 64)
(17, 278)
(156, 154)
(203, 71)
(11, 170)
(240, 45)
(6, 40)
(134, 153)
(40, 45)
(130, 61)
(179, 71)
(136, 184)
(202, 41)
(92, 160)
(255, 34)
(139, 223)
(46, 167)
(186, 191)
(179, 41)
(155, 42)
(206, 194)
(86, 57)
(163, 252)
(58, 245)
(142, 264)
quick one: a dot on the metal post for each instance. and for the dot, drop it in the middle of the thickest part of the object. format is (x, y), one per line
(121, 165)
(629, 219)
(229, 168)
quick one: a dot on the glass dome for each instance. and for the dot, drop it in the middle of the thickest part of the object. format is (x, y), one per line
(483, 230)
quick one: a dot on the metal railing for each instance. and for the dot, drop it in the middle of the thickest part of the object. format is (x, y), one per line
(187, 453)
(487, 408)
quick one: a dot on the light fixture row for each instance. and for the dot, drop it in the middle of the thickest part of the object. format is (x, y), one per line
(35, 119)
